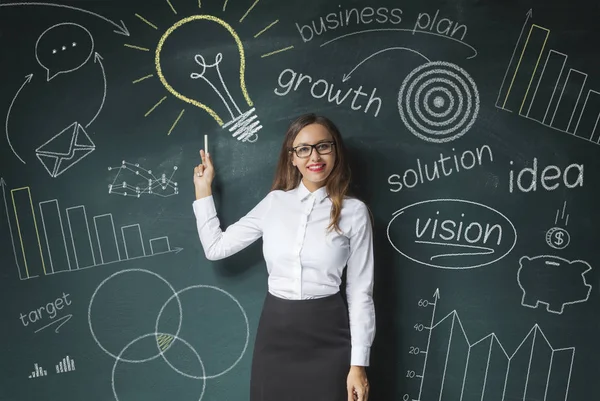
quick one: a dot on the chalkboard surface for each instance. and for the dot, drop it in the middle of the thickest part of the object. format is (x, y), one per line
(474, 137)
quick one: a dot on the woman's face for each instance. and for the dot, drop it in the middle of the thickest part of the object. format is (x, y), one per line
(316, 167)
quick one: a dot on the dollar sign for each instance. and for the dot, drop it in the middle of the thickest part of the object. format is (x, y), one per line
(559, 238)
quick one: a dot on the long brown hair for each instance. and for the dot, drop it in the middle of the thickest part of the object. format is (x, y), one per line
(288, 177)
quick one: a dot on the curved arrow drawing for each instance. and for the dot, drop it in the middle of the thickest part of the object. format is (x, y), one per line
(348, 75)
(62, 321)
(27, 80)
(98, 59)
(121, 28)
(402, 30)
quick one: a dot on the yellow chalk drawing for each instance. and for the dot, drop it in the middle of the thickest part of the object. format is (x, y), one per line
(37, 234)
(277, 51)
(146, 21)
(250, 9)
(142, 78)
(164, 340)
(136, 47)
(176, 121)
(225, 5)
(155, 106)
(267, 27)
(199, 3)
(519, 64)
(186, 99)
(172, 8)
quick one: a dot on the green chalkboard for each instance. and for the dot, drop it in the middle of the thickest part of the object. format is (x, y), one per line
(473, 134)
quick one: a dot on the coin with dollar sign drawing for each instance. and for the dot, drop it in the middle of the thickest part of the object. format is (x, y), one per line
(557, 238)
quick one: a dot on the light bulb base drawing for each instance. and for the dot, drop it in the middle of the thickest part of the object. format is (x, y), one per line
(245, 126)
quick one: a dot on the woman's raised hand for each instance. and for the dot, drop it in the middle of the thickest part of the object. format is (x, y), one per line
(203, 176)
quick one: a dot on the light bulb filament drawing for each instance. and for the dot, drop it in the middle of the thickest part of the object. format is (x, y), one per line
(242, 125)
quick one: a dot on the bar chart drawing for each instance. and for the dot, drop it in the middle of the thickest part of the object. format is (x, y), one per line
(541, 87)
(69, 243)
(66, 365)
(459, 369)
(38, 371)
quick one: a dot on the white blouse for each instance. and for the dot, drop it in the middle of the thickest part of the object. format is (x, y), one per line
(303, 260)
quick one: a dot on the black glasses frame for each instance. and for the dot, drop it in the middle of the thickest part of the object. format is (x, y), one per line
(312, 147)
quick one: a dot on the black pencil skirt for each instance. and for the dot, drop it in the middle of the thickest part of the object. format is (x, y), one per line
(302, 350)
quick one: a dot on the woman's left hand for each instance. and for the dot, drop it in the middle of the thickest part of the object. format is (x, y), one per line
(357, 384)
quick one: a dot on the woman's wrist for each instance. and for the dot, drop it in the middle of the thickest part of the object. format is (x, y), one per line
(203, 192)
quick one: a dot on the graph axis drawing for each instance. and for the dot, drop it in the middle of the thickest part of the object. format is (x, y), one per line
(452, 322)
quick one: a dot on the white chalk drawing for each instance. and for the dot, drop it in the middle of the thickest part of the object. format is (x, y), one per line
(451, 233)
(538, 94)
(162, 186)
(438, 102)
(61, 320)
(551, 280)
(411, 31)
(28, 79)
(121, 28)
(243, 125)
(164, 341)
(540, 276)
(38, 371)
(66, 365)
(56, 57)
(347, 76)
(98, 60)
(558, 237)
(449, 345)
(65, 149)
(78, 228)
(173, 338)
(549, 179)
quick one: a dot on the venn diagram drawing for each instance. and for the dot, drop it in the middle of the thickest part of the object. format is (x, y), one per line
(60, 49)
(164, 340)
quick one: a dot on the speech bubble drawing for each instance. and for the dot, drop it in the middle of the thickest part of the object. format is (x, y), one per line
(63, 48)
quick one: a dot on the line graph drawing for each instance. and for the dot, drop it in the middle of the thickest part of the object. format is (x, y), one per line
(459, 368)
(543, 89)
(148, 183)
(75, 231)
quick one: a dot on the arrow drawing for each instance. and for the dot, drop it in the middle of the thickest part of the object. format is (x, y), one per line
(348, 75)
(63, 320)
(12, 239)
(121, 28)
(27, 80)
(528, 16)
(403, 30)
(98, 59)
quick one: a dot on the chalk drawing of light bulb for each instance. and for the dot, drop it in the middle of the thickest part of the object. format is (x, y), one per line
(243, 122)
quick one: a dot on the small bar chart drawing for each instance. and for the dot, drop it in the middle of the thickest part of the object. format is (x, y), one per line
(66, 365)
(70, 243)
(38, 371)
(539, 85)
(457, 368)
(162, 186)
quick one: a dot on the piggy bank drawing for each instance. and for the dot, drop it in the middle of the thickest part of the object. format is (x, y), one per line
(553, 281)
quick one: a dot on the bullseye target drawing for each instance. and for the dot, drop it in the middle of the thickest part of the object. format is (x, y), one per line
(438, 102)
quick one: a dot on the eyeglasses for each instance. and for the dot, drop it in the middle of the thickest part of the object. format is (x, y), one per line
(304, 151)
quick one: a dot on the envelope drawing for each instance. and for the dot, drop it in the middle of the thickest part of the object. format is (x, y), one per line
(65, 149)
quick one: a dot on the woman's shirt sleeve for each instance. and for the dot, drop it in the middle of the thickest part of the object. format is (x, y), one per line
(219, 244)
(359, 287)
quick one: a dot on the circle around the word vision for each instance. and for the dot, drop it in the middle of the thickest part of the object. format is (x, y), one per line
(176, 295)
(156, 335)
(92, 301)
(448, 71)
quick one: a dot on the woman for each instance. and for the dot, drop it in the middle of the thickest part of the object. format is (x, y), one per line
(308, 345)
